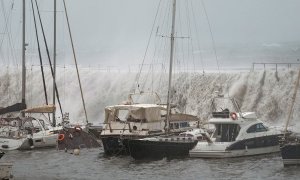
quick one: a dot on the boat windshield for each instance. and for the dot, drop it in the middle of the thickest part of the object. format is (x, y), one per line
(257, 128)
(226, 132)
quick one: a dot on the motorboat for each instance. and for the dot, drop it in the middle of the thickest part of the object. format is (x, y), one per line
(236, 133)
(135, 121)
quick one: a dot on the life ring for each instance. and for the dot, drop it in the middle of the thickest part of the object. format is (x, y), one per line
(61, 137)
(233, 116)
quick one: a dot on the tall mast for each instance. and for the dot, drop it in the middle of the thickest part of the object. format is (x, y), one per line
(54, 62)
(171, 64)
(23, 57)
(75, 59)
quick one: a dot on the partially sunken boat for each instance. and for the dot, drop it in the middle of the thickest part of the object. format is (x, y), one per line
(75, 137)
(236, 133)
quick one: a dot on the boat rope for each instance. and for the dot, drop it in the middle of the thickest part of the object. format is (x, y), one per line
(74, 55)
(145, 54)
(197, 32)
(292, 105)
(48, 55)
(211, 35)
(40, 55)
(7, 19)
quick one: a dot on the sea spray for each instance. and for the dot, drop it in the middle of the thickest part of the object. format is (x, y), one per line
(267, 93)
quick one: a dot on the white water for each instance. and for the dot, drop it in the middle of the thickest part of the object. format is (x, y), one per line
(268, 93)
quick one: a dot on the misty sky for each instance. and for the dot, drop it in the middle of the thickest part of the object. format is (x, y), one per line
(112, 31)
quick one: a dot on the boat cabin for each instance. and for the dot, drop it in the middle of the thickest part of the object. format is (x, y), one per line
(134, 113)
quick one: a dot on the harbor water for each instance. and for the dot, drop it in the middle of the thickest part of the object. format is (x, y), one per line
(91, 164)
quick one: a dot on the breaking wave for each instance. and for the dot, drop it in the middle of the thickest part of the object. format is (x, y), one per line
(266, 92)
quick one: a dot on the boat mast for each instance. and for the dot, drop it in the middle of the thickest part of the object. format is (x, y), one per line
(54, 62)
(23, 57)
(76, 64)
(171, 66)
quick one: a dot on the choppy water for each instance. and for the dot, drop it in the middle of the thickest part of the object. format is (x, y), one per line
(90, 164)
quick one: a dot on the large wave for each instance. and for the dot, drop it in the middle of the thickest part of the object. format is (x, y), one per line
(268, 93)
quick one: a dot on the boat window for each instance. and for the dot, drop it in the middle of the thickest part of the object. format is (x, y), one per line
(171, 125)
(257, 128)
(122, 114)
(176, 125)
(43, 124)
(184, 124)
(226, 132)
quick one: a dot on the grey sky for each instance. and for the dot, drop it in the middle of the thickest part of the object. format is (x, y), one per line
(111, 30)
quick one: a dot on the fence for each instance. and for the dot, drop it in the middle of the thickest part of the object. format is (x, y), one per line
(277, 65)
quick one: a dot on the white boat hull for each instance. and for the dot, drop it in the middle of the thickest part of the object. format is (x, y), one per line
(8, 144)
(233, 153)
(40, 142)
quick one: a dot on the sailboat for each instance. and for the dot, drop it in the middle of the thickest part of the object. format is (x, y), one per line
(131, 120)
(25, 131)
(168, 145)
(290, 142)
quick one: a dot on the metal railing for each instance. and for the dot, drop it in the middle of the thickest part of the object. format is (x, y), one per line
(277, 65)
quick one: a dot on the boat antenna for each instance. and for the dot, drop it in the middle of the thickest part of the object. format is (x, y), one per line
(171, 66)
(23, 57)
(75, 59)
(292, 105)
(148, 44)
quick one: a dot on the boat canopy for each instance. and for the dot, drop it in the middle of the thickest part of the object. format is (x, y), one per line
(183, 117)
(140, 112)
(41, 109)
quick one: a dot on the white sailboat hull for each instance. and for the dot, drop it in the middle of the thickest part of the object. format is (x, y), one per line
(8, 144)
(40, 141)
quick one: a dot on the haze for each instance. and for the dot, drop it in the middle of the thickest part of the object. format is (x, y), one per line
(115, 32)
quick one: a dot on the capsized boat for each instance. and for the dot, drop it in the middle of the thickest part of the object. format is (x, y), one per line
(236, 133)
(75, 136)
